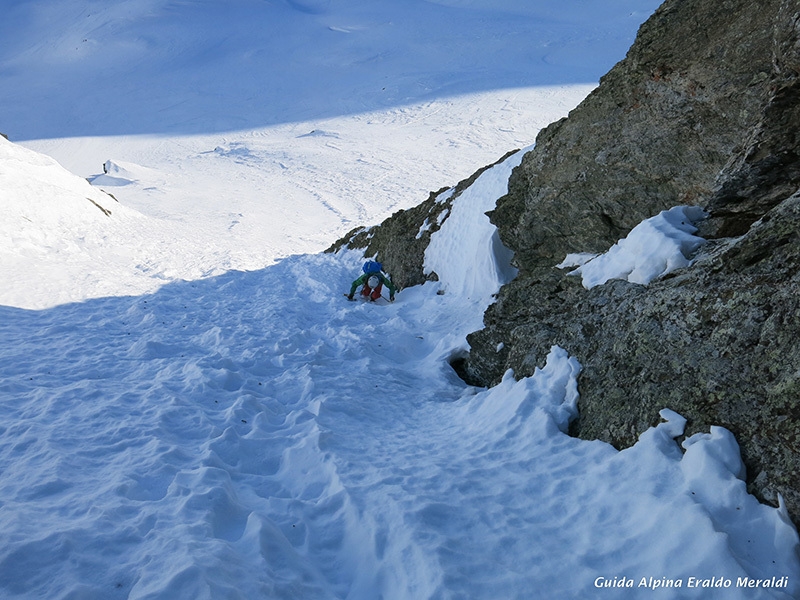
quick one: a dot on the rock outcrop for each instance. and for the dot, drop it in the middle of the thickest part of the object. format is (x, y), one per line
(704, 110)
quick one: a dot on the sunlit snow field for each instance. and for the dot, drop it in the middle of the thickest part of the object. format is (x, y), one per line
(192, 409)
(256, 129)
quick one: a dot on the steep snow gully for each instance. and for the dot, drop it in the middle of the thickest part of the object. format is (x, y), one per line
(255, 435)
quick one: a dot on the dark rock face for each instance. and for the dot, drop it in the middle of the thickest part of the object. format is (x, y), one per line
(656, 133)
(714, 342)
(704, 110)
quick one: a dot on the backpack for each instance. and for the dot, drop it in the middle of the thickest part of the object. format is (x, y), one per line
(372, 266)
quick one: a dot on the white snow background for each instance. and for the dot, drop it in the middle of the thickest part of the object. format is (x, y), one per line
(191, 408)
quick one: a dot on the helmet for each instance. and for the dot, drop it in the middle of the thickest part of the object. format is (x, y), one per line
(373, 281)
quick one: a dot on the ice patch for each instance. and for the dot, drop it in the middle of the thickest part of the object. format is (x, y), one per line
(426, 226)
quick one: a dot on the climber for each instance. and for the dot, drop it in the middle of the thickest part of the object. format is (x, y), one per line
(373, 281)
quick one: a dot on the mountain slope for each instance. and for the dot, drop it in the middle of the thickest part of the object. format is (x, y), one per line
(257, 435)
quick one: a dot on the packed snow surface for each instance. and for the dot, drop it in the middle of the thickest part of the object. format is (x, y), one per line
(191, 408)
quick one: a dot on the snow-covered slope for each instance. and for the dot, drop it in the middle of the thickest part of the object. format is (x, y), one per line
(187, 430)
(58, 231)
(272, 127)
(198, 66)
(64, 240)
(256, 435)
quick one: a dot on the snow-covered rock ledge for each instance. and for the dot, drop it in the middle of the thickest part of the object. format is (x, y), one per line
(654, 248)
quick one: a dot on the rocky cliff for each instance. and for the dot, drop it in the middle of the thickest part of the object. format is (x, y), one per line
(704, 110)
